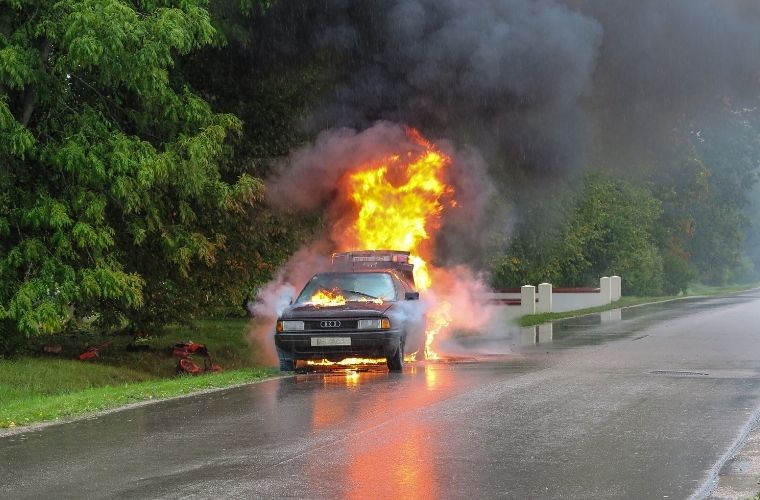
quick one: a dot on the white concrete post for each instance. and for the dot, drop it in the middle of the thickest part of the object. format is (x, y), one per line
(617, 291)
(605, 291)
(528, 300)
(544, 298)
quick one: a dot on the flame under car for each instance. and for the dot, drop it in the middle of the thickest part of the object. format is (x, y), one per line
(365, 307)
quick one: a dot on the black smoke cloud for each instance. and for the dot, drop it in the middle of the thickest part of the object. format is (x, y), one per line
(506, 76)
(535, 85)
(665, 64)
(540, 89)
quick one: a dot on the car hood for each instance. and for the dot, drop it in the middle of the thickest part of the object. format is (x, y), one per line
(349, 309)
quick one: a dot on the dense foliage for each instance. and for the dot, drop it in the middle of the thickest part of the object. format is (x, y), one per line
(111, 195)
(609, 230)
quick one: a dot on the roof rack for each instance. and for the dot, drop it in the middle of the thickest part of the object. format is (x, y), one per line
(363, 260)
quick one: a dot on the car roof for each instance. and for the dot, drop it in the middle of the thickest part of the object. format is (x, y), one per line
(394, 261)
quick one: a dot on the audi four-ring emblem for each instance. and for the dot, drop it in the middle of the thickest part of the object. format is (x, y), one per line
(329, 324)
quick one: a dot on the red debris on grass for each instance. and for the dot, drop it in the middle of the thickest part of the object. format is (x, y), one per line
(183, 351)
(93, 351)
(187, 366)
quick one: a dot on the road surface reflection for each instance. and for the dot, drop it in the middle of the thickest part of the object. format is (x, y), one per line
(401, 461)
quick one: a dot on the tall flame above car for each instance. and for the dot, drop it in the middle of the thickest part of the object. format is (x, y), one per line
(399, 202)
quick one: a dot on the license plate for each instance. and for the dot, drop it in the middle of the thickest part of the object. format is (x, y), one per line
(328, 341)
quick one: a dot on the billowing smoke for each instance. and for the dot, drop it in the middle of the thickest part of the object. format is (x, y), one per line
(540, 87)
(308, 180)
(276, 295)
(505, 76)
(663, 65)
(535, 89)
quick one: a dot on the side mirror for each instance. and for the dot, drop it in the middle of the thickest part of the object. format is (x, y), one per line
(412, 296)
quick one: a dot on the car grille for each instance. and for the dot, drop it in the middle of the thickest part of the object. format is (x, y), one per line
(331, 325)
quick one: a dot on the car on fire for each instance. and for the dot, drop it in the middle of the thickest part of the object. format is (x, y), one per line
(365, 306)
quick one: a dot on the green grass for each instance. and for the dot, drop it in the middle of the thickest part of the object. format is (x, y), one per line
(38, 388)
(698, 289)
(537, 319)
(693, 291)
(39, 404)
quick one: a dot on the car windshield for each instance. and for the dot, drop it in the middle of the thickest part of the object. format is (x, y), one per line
(352, 286)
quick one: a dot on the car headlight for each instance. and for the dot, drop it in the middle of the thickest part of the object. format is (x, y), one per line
(290, 326)
(374, 324)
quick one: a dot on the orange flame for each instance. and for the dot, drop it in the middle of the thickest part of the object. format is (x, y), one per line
(400, 205)
(352, 361)
(399, 202)
(327, 298)
(333, 298)
(346, 362)
(438, 319)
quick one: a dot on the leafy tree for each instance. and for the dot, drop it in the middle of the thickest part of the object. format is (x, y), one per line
(609, 231)
(730, 149)
(250, 71)
(705, 197)
(752, 243)
(110, 190)
(612, 234)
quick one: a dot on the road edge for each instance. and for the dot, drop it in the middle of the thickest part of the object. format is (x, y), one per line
(643, 304)
(711, 479)
(38, 426)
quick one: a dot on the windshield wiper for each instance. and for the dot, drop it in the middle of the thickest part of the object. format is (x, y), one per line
(361, 293)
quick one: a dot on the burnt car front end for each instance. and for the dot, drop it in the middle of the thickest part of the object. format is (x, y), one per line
(361, 308)
(336, 333)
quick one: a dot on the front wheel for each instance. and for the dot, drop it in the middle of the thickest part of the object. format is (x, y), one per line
(396, 361)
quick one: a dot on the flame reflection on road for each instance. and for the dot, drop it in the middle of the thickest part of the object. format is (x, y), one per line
(401, 467)
(393, 453)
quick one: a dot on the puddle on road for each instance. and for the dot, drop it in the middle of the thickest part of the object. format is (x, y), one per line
(593, 329)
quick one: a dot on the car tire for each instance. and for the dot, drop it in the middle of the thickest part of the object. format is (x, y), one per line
(396, 361)
(287, 364)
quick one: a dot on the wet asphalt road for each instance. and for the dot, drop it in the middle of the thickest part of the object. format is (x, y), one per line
(638, 404)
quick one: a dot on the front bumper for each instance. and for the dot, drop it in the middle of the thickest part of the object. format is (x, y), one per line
(364, 344)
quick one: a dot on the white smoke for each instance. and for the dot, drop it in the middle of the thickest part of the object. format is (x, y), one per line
(276, 295)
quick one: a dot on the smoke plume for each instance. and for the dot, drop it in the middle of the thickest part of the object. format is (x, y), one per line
(540, 87)
(276, 295)
(535, 89)
(308, 180)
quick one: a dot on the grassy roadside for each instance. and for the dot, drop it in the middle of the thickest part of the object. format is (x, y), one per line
(38, 388)
(693, 291)
(32, 407)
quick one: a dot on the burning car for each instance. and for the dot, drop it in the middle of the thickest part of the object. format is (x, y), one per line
(366, 306)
